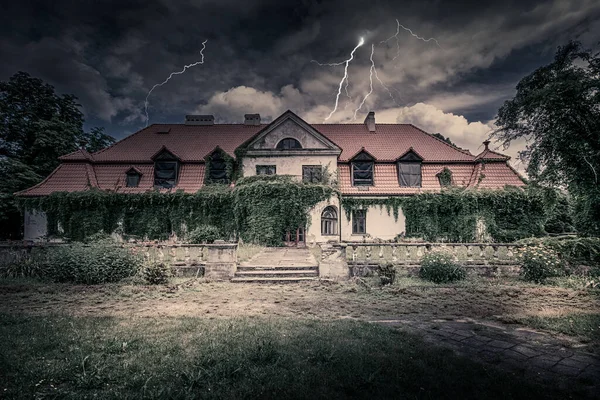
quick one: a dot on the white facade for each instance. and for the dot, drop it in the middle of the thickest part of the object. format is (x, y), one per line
(316, 150)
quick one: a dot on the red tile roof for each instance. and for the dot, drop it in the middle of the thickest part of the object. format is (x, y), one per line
(386, 179)
(191, 143)
(488, 154)
(106, 169)
(390, 141)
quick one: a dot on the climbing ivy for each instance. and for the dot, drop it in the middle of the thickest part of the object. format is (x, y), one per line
(445, 177)
(257, 209)
(230, 165)
(452, 214)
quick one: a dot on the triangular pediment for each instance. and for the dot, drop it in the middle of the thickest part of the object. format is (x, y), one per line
(410, 155)
(291, 127)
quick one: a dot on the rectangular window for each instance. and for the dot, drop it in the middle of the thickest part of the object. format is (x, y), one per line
(266, 170)
(409, 174)
(312, 173)
(165, 174)
(359, 221)
(133, 180)
(362, 173)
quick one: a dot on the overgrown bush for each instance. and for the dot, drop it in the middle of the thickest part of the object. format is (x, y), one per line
(539, 263)
(100, 262)
(156, 273)
(23, 268)
(439, 267)
(574, 251)
(387, 273)
(204, 234)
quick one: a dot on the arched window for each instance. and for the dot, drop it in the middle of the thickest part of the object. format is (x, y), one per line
(329, 221)
(289, 144)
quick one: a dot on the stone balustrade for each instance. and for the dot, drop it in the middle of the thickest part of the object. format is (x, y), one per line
(483, 258)
(215, 261)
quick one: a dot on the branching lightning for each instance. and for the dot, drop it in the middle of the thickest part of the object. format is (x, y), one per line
(185, 68)
(346, 63)
(370, 83)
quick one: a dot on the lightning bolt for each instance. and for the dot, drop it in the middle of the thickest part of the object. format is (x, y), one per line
(412, 33)
(344, 78)
(370, 83)
(185, 68)
(384, 86)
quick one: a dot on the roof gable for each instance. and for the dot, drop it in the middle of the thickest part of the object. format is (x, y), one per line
(289, 125)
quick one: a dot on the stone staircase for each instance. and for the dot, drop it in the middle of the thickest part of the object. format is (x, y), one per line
(279, 265)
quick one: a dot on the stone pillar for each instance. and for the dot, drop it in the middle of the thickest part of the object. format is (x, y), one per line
(221, 260)
(333, 263)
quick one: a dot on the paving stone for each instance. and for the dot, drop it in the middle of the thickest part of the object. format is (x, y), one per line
(544, 361)
(569, 362)
(585, 359)
(525, 350)
(489, 356)
(473, 342)
(500, 344)
(514, 355)
(566, 370)
(592, 373)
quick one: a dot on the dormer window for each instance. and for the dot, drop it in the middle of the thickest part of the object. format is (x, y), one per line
(289, 144)
(409, 170)
(362, 170)
(445, 177)
(218, 168)
(166, 170)
(132, 177)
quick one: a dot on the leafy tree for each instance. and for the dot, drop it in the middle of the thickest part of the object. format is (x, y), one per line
(557, 109)
(37, 126)
(444, 138)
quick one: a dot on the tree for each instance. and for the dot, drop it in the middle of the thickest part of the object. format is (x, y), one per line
(444, 138)
(36, 127)
(557, 109)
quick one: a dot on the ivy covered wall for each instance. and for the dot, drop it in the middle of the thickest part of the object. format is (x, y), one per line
(452, 214)
(257, 209)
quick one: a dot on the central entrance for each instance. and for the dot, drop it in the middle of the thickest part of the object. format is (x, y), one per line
(295, 238)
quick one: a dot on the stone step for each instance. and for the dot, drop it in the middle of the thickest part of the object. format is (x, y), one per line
(277, 267)
(277, 273)
(273, 279)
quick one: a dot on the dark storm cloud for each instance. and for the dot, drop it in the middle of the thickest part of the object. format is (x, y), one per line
(109, 53)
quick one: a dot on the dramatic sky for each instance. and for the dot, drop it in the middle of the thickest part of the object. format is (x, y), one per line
(258, 57)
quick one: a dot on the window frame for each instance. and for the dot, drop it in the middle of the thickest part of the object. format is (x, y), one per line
(356, 217)
(212, 160)
(281, 144)
(268, 167)
(132, 173)
(362, 158)
(331, 222)
(410, 163)
(312, 168)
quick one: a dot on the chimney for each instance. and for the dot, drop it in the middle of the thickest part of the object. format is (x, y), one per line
(486, 144)
(199, 119)
(251, 119)
(370, 121)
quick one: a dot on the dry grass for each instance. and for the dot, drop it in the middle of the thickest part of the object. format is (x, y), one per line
(408, 297)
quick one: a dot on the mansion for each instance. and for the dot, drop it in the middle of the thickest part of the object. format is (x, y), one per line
(365, 159)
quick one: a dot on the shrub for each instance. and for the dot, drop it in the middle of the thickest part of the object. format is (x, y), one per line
(387, 273)
(100, 262)
(539, 263)
(439, 267)
(156, 273)
(204, 234)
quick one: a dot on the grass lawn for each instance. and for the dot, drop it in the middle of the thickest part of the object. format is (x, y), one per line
(69, 357)
(586, 326)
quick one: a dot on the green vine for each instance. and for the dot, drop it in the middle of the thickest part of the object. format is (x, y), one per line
(452, 214)
(445, 177)
(229, 165)
(257, 209)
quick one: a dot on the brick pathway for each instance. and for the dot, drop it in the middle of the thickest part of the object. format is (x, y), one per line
(513, 348)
